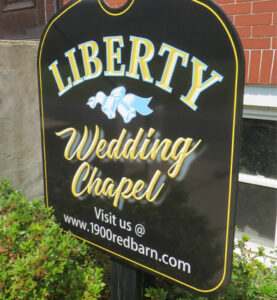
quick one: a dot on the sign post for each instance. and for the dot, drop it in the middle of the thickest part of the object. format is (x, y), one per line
(128, 282)
(140, 113)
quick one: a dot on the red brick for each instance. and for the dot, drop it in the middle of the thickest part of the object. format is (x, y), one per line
(256, 19)
(264, 6)
(274, 43)
(274, 70)
(257, 43)
(238, 1)
(244, 31)
(232, 19)
(266, 66)
(254, 67)
(237, 9)
(246, 56)
(264, 30)
(50, 9)
(116, 3)
(275, 18)
(225, 1)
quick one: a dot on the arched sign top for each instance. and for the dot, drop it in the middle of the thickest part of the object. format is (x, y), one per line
(140, 128)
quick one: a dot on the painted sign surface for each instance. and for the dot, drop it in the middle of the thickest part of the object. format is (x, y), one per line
(140, 111)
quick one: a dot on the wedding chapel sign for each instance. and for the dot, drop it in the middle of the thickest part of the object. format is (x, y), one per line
(140, 113)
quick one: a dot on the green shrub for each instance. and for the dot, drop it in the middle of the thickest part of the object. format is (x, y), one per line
(251, 280)
(38, 260)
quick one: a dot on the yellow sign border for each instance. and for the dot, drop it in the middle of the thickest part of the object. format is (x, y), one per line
(232, 146)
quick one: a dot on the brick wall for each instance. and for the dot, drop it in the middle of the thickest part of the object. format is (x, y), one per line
(256, 23)
(50, 8)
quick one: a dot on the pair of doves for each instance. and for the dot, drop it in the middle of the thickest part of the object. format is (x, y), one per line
(126, 105)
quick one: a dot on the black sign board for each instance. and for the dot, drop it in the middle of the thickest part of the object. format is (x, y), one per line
(140, 110)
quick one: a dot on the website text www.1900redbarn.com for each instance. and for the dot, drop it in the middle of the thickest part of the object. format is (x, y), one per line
(129, 243)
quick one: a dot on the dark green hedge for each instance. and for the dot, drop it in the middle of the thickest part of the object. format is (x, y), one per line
(39, 261)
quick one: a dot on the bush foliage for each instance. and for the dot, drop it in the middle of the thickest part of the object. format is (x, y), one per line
(38, 260)
(251, 280)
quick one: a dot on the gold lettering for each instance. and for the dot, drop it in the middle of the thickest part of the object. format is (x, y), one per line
(174, 170)
(140, 61)
(122, 190)
(173, 54)
(158, 145)
(112, 56)
(76, 184)
(107, 186)
(151, 187)
(62, 88)
(100, 147)
(131, 148)
(113, 151)
(125, 189)
(91, 58)
(73, 65)
(198, 86)
(79, 149)
(92, 181)
(138, 187)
